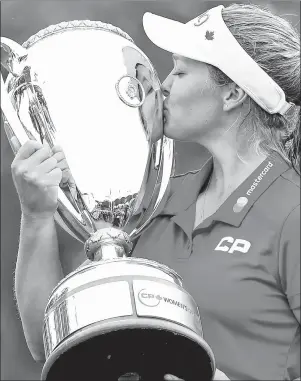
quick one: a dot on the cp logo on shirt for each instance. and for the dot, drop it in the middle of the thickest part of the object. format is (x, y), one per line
(231, 245)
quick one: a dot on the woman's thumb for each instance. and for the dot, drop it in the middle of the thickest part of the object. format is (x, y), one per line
(15, 144)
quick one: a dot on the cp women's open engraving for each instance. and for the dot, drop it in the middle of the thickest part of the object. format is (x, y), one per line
(148, 298)
(166, 302)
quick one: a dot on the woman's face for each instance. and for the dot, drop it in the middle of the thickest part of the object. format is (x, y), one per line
(193, 105)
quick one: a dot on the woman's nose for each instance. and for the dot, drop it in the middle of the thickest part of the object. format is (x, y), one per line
(166, 85)
(164, 91)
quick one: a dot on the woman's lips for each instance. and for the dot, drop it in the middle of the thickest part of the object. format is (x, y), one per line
(165, 114)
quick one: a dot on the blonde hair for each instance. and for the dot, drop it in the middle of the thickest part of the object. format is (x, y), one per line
(275, 45)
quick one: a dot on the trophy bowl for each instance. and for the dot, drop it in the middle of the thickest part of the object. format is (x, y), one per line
(86, 86)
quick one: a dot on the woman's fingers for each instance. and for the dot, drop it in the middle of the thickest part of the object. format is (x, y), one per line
(60, 156)
(57, 149)
(27, 149)
(53, 178)
(48, 165)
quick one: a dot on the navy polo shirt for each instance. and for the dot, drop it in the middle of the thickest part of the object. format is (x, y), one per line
(241, 265)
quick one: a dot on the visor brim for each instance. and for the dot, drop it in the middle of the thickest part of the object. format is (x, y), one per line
(173, 37)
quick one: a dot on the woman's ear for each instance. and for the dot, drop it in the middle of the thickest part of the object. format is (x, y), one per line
(233, 97)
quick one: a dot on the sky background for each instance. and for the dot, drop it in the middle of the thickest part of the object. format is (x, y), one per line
(23, 18)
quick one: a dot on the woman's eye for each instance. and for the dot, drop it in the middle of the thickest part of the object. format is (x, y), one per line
(178, 73)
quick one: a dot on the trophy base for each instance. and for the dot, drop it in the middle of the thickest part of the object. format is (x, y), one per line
(148, 348)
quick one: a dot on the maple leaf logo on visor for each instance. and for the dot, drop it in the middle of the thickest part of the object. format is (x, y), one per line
(209, 35)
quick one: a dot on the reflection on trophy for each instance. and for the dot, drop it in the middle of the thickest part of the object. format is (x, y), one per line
(86, 86)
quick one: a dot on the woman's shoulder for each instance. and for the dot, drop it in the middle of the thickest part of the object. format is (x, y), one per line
(288, 185)
(282, 198)
(291, 179)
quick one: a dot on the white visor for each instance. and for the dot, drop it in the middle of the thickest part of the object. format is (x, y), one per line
(207, 39)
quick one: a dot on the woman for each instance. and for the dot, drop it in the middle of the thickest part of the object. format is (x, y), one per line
(222, 229)
(230, 229)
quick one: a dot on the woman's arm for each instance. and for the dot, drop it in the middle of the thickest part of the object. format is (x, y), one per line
(38, 271)
(37, 173)
(289, 260)
(46, 254)
(289, 272)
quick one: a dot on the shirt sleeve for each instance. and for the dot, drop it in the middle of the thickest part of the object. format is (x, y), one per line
(289, 260)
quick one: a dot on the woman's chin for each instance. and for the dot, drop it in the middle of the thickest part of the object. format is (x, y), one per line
(171, 132)
(166, 132)
(166, 128)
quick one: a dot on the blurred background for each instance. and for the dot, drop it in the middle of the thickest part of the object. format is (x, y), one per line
(21, 19)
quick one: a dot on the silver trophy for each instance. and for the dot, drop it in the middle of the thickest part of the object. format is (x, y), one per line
(88, 87)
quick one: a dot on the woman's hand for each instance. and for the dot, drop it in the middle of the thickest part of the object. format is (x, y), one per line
(62, 163)
(36, 175)
(218, 376)
(67, 182)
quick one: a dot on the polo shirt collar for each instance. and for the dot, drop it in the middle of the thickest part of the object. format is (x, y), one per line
(236, 207)
(238, 204)
(186, 188)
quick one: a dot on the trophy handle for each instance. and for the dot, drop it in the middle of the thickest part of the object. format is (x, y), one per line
(15, 56)
(8, 113)
(15, 61)
(10, 117)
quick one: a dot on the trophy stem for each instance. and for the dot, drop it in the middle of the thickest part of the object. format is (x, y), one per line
(110, 251)
(108, 243)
